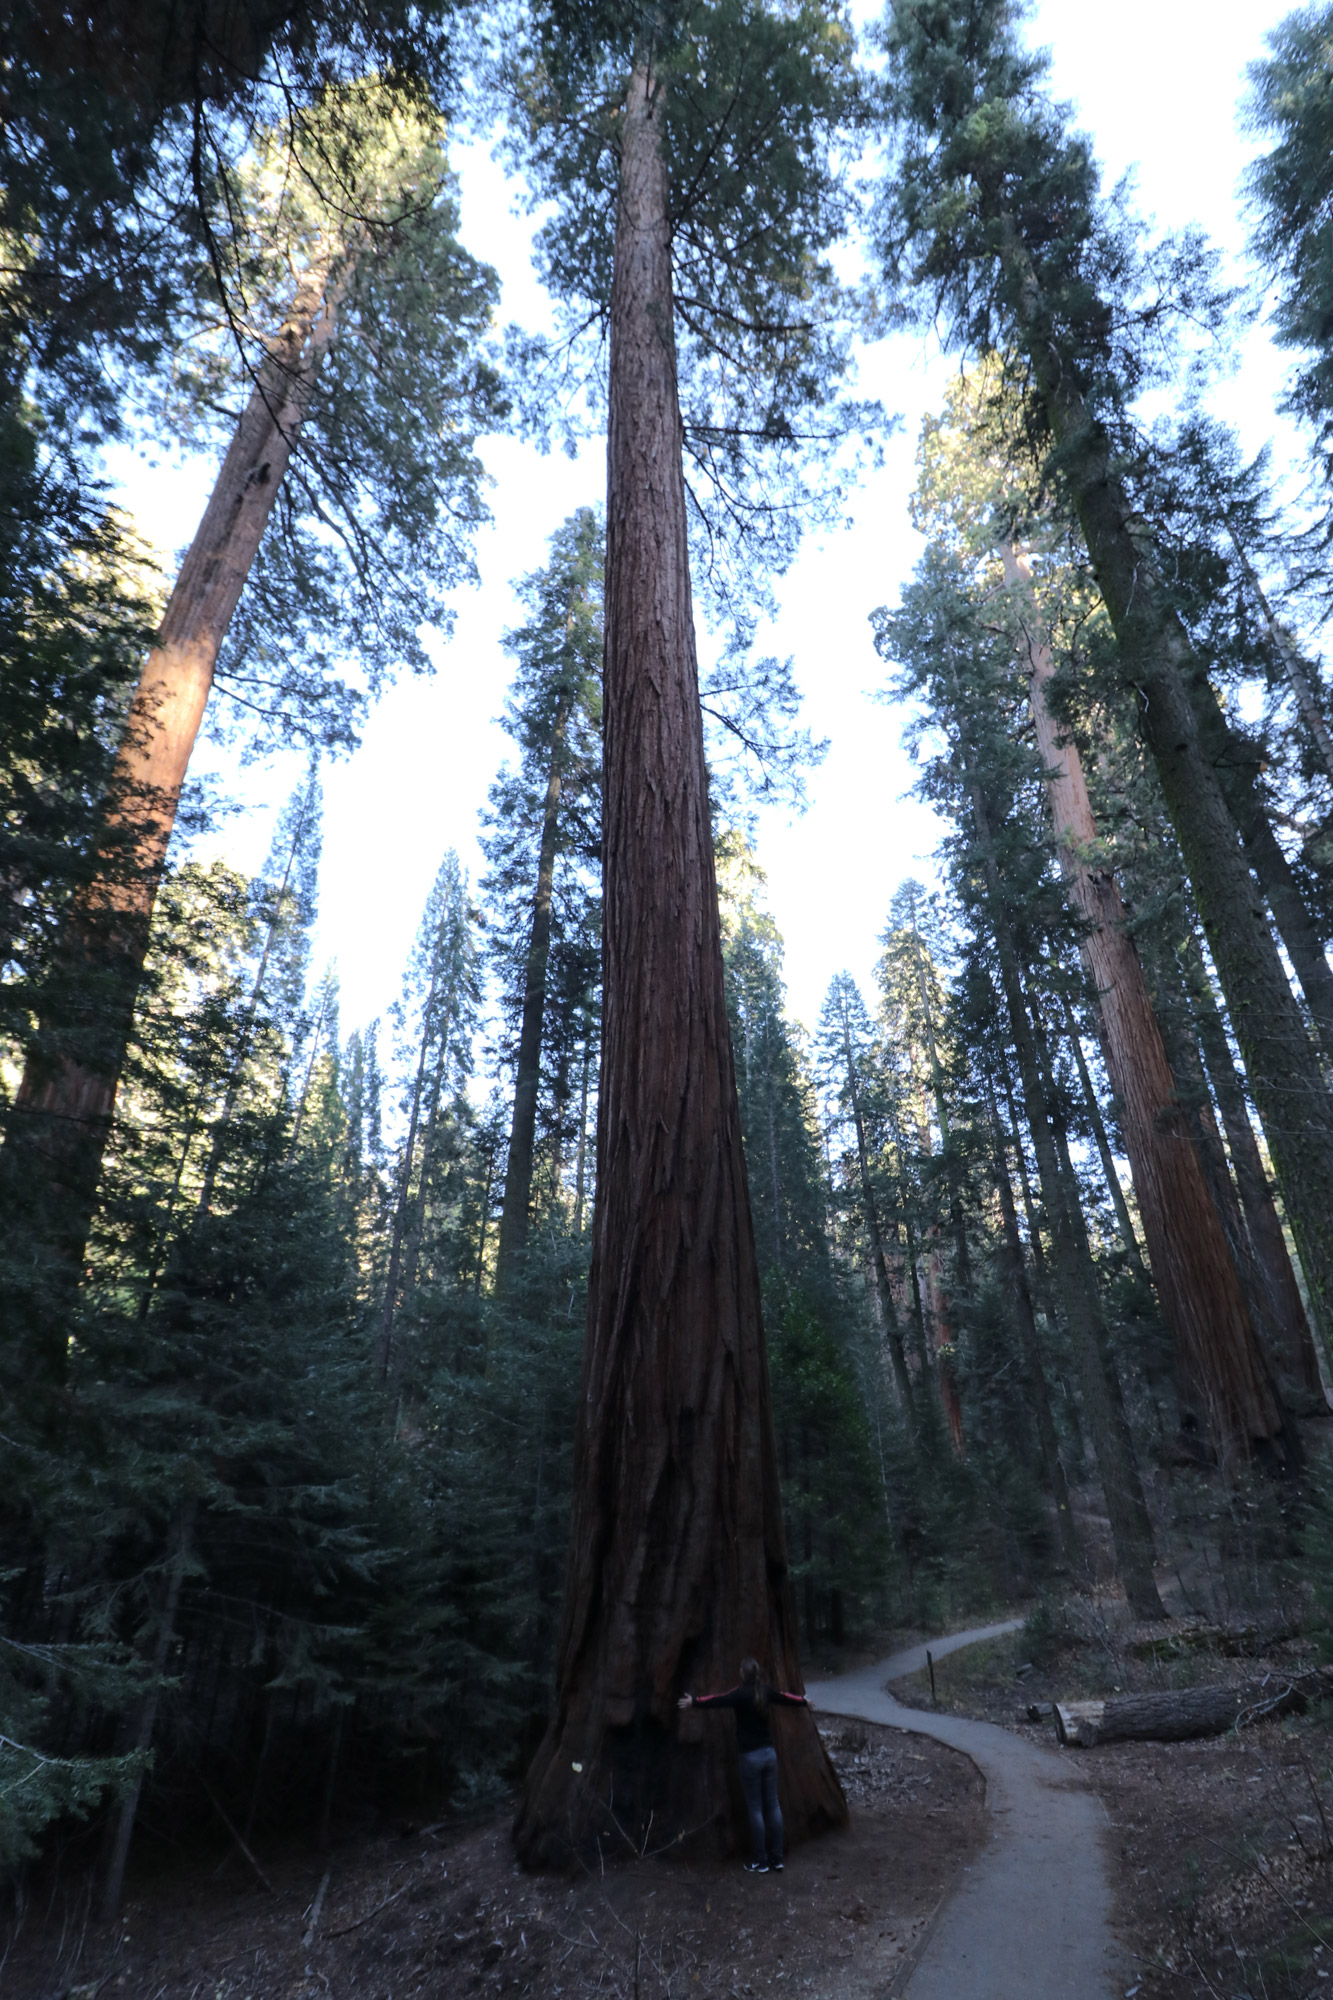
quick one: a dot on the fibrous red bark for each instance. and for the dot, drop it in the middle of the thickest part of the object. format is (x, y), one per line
(678, 1562)
(1219, 1356)
(62, 1116)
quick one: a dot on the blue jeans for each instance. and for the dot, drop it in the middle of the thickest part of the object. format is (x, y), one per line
(759, 1779)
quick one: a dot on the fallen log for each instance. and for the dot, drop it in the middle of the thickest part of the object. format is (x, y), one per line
(1174, 1716)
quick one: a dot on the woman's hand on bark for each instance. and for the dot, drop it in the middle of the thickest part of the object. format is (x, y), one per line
(686, 1701)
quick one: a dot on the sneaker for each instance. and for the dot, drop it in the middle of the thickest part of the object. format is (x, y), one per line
(775, 1867)
(756, 1868)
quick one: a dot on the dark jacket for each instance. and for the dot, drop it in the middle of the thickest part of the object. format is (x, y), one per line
(752, 1731)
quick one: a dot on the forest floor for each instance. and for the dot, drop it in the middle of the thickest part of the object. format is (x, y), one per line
(1222, 1848)
(445, 1913)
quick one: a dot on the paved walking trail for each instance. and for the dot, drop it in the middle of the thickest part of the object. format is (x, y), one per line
(1030, 1919)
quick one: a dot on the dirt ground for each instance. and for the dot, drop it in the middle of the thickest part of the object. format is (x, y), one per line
(1222, 1848)
(445, 1914)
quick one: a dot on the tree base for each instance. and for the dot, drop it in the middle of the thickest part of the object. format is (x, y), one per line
(654, 1791)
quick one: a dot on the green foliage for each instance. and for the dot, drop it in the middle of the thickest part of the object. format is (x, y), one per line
(373, 533)
(756, 101)
(553, 713)
(1290, 186)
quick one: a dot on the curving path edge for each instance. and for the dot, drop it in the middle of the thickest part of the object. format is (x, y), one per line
(1030, 1918)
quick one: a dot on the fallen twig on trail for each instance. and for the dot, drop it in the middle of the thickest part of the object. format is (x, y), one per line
(315, 1911)
(369, 1913)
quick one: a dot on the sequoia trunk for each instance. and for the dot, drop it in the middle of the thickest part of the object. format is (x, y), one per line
(52, 1156)
(1131, 1528)
(1186, 736)
(1197, 1281)
(678, 1562)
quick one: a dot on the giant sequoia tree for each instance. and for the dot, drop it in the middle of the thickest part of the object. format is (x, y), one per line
(355, 197)
(994, 210)
(972, 494)
(708, 128)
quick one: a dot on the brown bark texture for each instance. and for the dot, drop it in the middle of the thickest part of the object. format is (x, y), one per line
(62, 1115)
(678, 1561)
(1219, 1356)
(1075, 1280)
(1177, 1715)
(523, 1130)
(1192, 750)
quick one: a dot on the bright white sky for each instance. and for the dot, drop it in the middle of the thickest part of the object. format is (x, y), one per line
(1156, 83)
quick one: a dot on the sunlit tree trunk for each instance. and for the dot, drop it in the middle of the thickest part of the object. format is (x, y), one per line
(678, 1561)
(1188, 741)
(52, 1157)
(1197, 1282)
(1131, 1527)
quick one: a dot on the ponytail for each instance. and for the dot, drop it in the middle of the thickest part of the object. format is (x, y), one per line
(752, 1679)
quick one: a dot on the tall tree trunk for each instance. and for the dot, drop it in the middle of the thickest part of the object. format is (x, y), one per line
(678, 1562)
(1186, 736)
(527, 1080)
(1238, 764)
(52, 1157)
(1290, 1335)
(1197, 1282)
(1016, 1272)
(403, 1206)
(962, 1270)
(1101, 1139)
(580, 1158)
(878, 1262)
(1045, 1294)
(1131, 1528)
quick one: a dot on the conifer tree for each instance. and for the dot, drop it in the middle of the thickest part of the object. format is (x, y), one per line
(1290, 186)
(554, 713)
(1202, 1294)
(441, 990)
(948, 654)
(995, 207)
(366, 236)
(844, 1039)
(719, 340)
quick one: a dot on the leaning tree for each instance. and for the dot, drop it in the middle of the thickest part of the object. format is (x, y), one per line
(688, 151)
